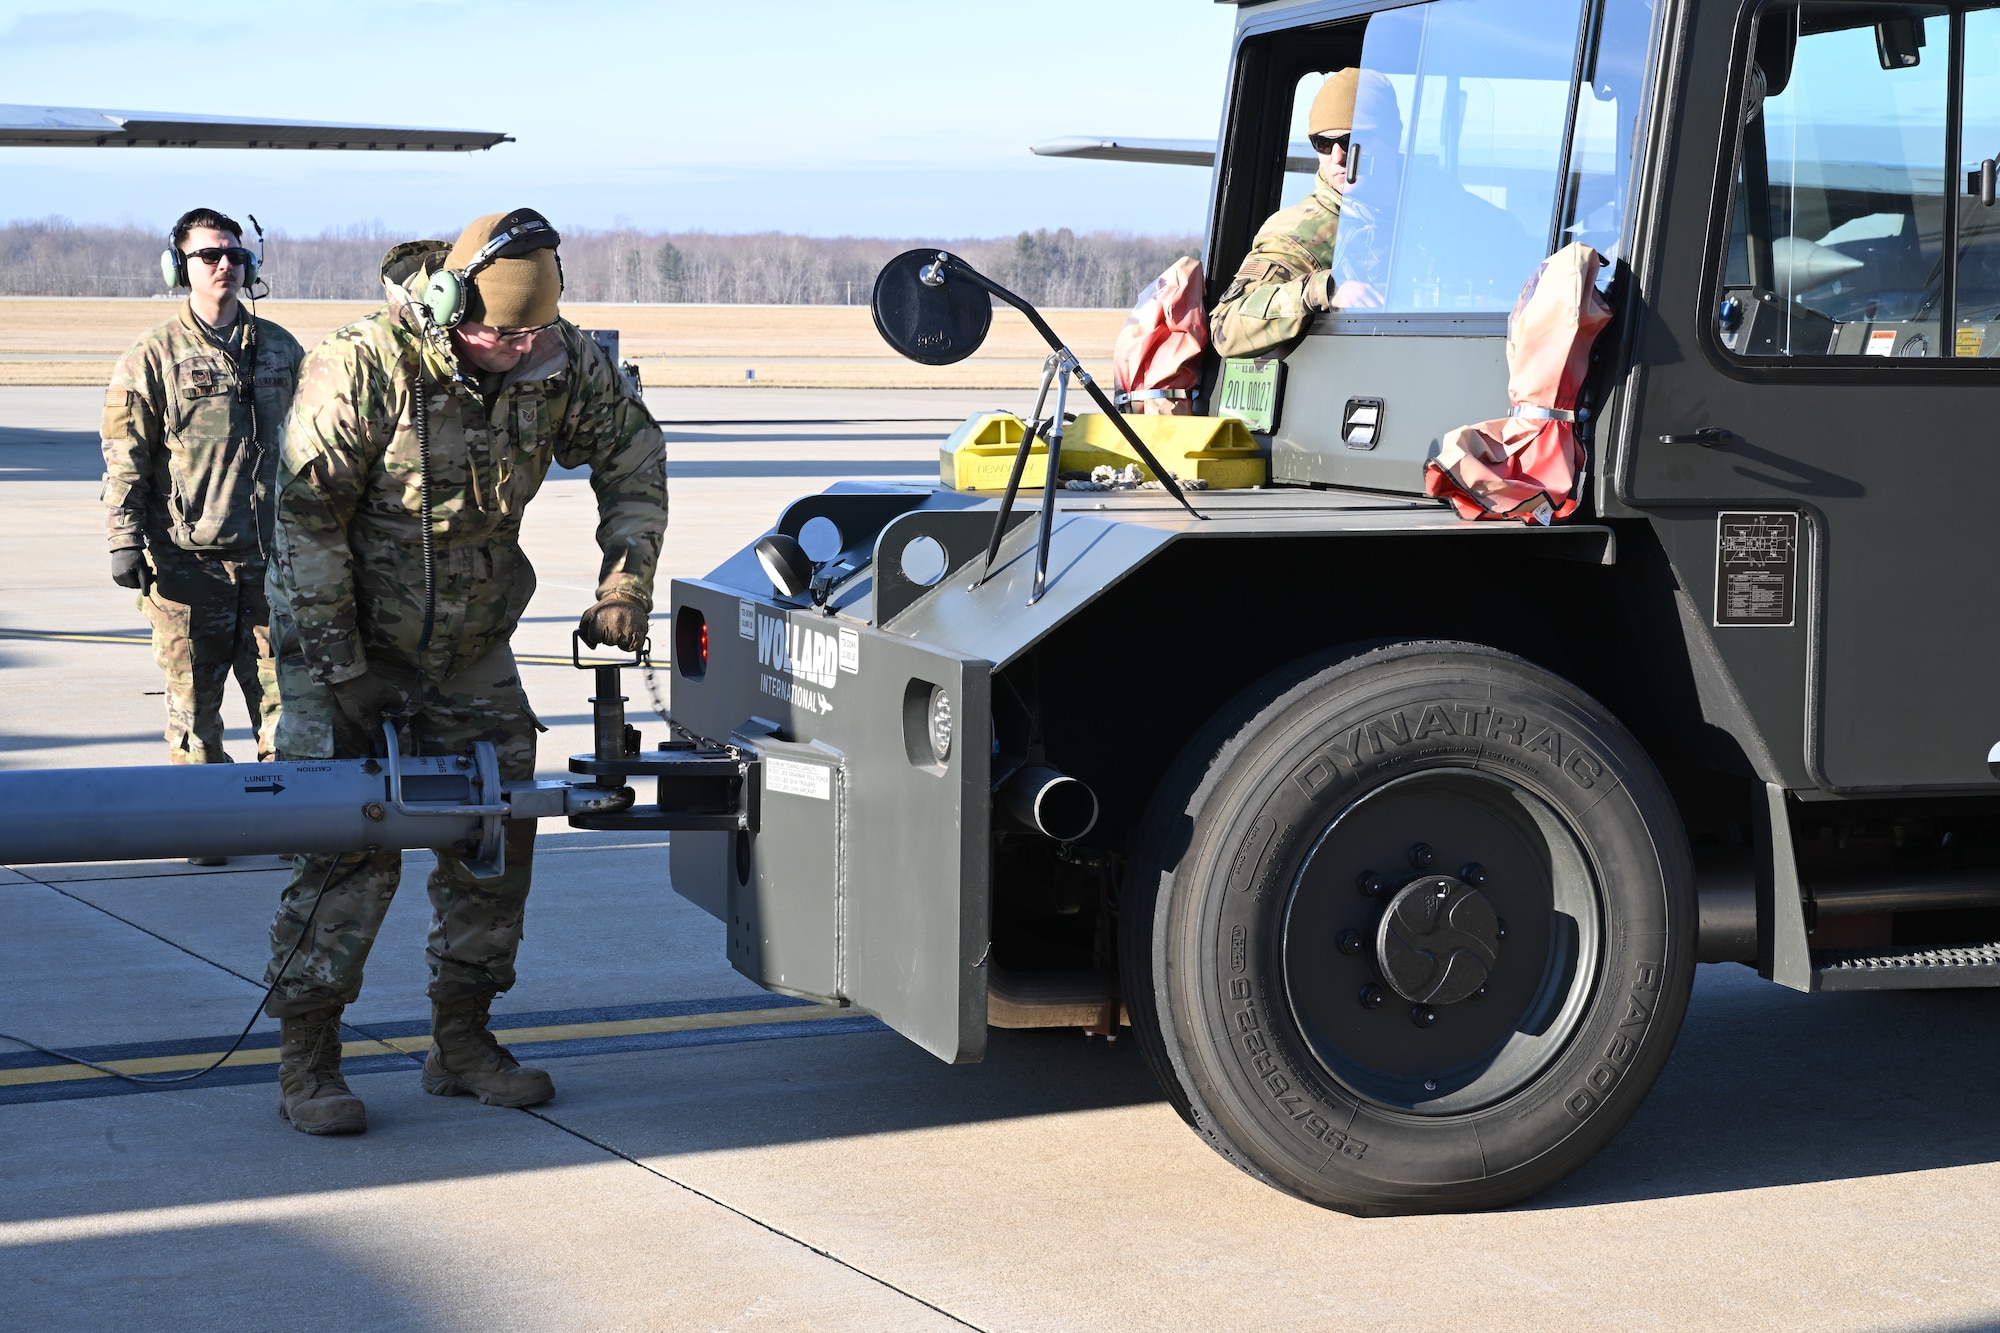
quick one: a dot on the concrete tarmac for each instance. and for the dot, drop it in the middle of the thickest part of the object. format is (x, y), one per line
(719, 1158)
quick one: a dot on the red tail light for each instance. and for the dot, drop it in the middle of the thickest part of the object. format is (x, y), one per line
(690, 643)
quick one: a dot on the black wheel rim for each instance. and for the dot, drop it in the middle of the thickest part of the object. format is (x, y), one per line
(1381, 1020)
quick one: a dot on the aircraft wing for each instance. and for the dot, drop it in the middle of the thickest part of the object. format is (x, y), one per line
(89, 127)
(1167, 152)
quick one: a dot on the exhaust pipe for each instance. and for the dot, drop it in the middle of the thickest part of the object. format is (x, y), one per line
(1050, 999)
(1726, 891)
(1725, 887)
(1893, 891)
(1052, 803)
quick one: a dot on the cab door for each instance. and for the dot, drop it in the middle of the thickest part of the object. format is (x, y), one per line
(1816, 384)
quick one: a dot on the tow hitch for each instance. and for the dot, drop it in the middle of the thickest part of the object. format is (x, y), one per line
(700, 788)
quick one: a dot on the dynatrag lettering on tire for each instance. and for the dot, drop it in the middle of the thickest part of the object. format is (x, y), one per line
(1410, 929)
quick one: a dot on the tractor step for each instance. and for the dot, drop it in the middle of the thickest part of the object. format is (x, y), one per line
(1918, 967)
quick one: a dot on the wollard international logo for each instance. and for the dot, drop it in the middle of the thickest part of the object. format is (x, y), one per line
(799, 651)
(806, 655)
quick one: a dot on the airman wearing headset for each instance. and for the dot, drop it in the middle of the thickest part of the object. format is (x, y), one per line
(418, 438)
(191, 426)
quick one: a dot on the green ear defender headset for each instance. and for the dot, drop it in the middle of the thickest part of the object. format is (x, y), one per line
(521, 232)
(173, 260)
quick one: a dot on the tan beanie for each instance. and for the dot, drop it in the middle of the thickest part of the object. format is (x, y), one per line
(1333, 104)
(508, 293)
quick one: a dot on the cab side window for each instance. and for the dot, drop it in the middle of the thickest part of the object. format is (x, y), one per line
(1837, 244)
(1606, 145)
(1978, 286)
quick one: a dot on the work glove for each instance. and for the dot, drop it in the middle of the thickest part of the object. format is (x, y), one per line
(365, 699)
(129, 568)
(617, 621)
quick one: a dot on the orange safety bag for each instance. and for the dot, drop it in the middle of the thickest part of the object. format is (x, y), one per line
(1157, 357)
(1528, 464)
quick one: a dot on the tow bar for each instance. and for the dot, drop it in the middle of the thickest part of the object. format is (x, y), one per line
(452, 802)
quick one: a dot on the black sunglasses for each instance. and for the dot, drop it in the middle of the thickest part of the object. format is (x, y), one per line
(215, 255)
(1326, 143)
(508, 335)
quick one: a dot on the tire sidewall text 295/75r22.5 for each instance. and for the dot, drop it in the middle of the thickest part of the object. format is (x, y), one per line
(1273, 946)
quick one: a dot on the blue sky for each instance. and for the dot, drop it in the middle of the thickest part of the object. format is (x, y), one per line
(860, 117)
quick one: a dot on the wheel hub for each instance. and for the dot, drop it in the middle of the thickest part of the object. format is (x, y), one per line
(1397, 978)
(1437, 941)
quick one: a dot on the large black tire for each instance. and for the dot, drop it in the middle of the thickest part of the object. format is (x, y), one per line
(1299, 1031)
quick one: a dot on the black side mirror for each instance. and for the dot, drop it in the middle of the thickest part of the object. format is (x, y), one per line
(1899, 43)
(926, 318)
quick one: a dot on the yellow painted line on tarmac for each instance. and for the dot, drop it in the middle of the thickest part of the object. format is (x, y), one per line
(628, 1027)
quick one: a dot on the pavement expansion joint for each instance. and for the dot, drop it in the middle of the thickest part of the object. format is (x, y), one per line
(772, 1227)
(98, 907)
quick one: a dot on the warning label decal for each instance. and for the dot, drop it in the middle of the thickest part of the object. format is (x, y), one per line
(796, 779)
(1756, 568)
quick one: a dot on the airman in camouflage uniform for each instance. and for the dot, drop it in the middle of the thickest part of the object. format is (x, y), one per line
(191, 426)
(1288, 277)
(508, 391)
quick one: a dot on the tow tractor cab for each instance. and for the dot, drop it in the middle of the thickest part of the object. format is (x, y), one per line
(1396, 838)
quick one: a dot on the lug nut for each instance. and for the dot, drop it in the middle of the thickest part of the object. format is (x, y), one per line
(1443, 892)
(1430, 1085)
(1421, 856)
(1371, 996)
(1479, 994)
(1349, 942)
(1369, 883)
(1423, 1015)
(1474, 874)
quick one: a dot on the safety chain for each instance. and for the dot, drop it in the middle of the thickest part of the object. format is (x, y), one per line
(653, 684)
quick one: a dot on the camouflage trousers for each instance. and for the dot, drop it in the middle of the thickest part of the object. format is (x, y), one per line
(476, 926)
(210, 619)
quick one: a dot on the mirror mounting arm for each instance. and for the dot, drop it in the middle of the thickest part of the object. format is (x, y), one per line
(947, 265)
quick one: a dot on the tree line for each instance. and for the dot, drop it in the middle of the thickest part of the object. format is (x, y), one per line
(54, 257)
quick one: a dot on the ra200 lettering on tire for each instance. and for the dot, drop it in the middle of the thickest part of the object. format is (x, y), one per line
(1410, 930)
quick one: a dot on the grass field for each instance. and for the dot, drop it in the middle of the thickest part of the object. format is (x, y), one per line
(49, 340)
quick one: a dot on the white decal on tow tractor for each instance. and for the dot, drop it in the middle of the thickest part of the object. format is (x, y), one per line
(746, 619)
(801, 652)
(795, 779)
(812, 701)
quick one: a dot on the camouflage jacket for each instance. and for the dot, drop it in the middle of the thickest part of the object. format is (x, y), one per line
(347, 568)
(1275, 294)
(190, 457)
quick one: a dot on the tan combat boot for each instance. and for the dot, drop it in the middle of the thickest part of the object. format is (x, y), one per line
(311, 1092)
(465, 1057)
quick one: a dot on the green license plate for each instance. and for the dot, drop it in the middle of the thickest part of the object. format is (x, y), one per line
(1250, 390)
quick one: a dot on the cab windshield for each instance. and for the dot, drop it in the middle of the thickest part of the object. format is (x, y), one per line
(1465, 173)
